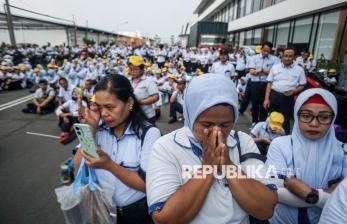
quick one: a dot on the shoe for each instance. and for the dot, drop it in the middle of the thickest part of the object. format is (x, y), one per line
(27, 111)
(172, 120)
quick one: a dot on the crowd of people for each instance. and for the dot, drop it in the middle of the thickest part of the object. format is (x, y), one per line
(119, 92)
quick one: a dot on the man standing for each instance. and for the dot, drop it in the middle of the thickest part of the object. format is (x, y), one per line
(260, 66)
(284, 81)
(223, 66)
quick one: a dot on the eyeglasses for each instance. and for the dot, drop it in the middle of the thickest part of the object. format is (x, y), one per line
(321, 118)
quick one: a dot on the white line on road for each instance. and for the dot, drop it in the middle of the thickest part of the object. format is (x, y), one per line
(43, 135)
(16, 102)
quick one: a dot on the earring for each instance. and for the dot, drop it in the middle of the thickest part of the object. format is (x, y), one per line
(131, 109)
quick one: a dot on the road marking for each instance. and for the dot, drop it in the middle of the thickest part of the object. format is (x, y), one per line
(43, 135)
(16, 102)
(248, 116)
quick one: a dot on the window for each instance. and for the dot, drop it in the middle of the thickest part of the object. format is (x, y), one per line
(248, 7)
(326, 34)
(241, 8)
(231, 12)
(257, 36)
(242, 38)
(302, 31)
(269, 33)
(282, 34)
(257, 5)
(248, 38)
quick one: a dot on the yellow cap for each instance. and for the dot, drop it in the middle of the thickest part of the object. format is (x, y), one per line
(3, 68)
(172, 76)
(332, 70)
(50, 66)
(258, 49)
(166, 64)
(164, 69)
(92, 99)
(158, 71)
(276, 120)
(36, 70)
(198, 72)
(23, 68)
(136, 60)
(104, 61)
(127, 70)
(17, 67)
(78, 91)
(65, 61)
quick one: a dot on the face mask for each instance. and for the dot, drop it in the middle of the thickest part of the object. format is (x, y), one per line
(74, 98)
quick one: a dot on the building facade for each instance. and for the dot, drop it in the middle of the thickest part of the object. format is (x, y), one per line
(319, 26)
(30, 30)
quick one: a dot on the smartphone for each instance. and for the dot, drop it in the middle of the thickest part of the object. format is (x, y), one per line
(85, 136)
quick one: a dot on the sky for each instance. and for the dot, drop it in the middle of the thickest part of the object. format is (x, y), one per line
(149, 17)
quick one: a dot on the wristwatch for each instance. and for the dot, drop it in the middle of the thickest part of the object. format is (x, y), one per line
(312, 197)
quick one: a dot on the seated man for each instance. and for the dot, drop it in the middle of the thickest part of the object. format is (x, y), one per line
(68, 114)
(264, 132)
(176, 100)
(43, 101)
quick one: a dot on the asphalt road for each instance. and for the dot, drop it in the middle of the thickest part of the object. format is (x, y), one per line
(29, 164)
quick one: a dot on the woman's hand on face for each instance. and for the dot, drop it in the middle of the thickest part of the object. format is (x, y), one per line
(211, 151)
(90, 117)
(225, 157)
(104, 161)
(297, 187)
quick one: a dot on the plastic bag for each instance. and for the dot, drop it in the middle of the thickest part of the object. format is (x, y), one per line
(86, 203)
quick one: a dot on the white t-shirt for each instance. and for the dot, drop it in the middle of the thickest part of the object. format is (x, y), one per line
(164, 177)
(226, 69)
(286, 78)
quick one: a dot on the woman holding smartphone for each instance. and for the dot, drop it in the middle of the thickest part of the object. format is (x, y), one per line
(125, 140)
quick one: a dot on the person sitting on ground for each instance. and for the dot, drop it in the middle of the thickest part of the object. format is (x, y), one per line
(241, 88)
(68, 114)
(88, 90)
(176, 100)
(43, 101)
(264, 132)
(65, 91)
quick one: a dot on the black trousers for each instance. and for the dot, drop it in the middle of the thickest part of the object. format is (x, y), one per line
(46, 109)
(136, 213)
(161, 65)
(283, 104)
(175, 107)
(257, 99)
(66, 127)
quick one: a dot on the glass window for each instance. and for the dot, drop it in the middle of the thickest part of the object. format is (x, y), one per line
(231, 12)
(257, 4)
(269, 33)
(282, 34)
(326, 34)
(248, 38)
(248, 7)
(342, 82)
(257, 36)
(242, 38)
(242, 8)
(302, 30)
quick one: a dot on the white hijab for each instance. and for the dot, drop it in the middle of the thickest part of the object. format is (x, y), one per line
(207, 91)
(315, 159)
